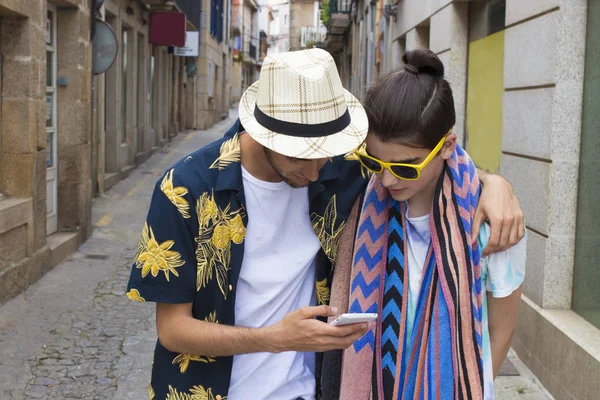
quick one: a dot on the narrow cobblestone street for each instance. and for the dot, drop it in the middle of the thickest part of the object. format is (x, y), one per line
(75, 335)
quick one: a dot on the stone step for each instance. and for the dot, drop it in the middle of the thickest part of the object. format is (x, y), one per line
(62, 245)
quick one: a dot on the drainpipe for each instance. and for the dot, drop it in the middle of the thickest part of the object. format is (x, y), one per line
(101, 128)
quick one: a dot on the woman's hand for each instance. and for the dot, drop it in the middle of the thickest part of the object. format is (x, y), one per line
(500, 207)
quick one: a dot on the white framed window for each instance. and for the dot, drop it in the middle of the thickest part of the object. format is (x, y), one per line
(51, 123)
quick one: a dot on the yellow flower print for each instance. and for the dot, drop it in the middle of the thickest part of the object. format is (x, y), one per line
(218, 227)
(134, 295)
(199, 393)
(175, 395)
(150, 392)
(230, 153)
(155, 257)
(207, 209)
(196, 393)
(220, 237)
(237, 230)
(324, 227)
(322, 292)
(184, 361)
(175, 194)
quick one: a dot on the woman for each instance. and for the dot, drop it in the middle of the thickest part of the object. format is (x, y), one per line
(446, 314)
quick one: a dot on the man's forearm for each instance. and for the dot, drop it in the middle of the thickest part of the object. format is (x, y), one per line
(186, 335)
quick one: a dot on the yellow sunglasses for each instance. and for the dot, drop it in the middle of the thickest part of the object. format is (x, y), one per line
(409, 172)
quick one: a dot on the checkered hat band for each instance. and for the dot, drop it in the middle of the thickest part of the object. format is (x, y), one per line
(302, 130)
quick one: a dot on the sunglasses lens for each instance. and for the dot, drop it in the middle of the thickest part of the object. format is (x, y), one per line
(371, 164)
(405, 172)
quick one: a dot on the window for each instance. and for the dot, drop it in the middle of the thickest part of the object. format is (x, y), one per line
(216, 80)
(211, 78)
(586, 274)
(124, 84)
(51, 124)
(486, 18)
(216, 19)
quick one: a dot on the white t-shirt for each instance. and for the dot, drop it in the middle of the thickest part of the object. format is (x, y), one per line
(277, 277)
(502, 274)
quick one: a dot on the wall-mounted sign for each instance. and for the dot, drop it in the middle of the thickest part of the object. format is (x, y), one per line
(167, 28)
(105, 48)
(192, 44)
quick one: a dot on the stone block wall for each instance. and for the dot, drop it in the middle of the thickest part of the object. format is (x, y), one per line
(23, 203)
(543, 102)
(212, 106)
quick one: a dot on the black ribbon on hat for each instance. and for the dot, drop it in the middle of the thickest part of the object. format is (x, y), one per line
(302, 130)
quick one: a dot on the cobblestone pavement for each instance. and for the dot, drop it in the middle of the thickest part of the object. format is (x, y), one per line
(74, 335)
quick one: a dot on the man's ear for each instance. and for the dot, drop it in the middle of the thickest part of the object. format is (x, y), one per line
(449, 146)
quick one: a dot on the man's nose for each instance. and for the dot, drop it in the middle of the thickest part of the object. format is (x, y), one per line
(311, 172)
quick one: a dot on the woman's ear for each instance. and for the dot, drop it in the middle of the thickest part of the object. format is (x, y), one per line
(449, 146)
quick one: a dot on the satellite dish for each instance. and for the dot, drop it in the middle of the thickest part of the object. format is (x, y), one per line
(104, 48)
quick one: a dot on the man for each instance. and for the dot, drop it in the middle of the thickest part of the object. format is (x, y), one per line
(241, 235)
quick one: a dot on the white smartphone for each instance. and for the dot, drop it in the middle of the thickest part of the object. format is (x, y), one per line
(353, 318)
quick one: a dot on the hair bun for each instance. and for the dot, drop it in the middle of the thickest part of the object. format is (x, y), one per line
(423, 61)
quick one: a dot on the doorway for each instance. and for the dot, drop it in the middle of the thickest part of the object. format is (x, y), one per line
(51, 125)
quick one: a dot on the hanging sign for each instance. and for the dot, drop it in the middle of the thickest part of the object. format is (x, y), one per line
(192, 44)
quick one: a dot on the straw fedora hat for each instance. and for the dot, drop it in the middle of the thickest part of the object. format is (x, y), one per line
(300, 109)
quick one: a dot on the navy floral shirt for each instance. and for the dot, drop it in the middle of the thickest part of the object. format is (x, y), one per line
(192, 248)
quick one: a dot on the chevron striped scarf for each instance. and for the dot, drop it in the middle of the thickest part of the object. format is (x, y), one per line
(443, 359)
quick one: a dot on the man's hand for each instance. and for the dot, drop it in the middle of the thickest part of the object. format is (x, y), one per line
(300, 331)
(500, 207)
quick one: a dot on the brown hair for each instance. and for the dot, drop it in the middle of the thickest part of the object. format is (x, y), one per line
(413, 104)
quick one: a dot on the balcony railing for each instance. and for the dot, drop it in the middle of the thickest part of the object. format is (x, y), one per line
(339, 16)
(310, 35)
(340, 6)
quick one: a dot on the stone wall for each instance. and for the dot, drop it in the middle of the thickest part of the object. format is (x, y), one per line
(543, 101)
(26, 255)
(214, 66)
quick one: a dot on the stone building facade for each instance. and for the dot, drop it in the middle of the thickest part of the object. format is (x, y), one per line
(302, 14)
(215, 64)
(45, 206)
(67, 135)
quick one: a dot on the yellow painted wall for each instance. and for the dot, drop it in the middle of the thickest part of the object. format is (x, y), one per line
(484, 101)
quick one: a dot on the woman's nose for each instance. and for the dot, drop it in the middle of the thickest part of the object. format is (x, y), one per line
(388, 179)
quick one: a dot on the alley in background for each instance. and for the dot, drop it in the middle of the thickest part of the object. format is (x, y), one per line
(74, 334)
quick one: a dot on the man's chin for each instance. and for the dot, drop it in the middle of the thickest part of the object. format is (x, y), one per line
(298, 184)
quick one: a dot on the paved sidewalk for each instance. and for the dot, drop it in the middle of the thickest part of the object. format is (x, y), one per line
(74, 335)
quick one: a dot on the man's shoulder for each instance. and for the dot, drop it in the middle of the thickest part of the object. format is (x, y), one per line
(198, 171)
(342, 174)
